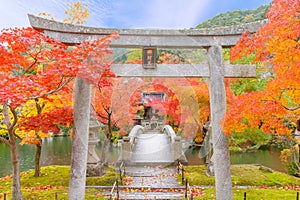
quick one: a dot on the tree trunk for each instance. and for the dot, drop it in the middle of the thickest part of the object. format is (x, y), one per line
(108, 136)
(105, 151)
(221, 156)
(16, 185)
(82, 100)
(38, 152)
(11, 142)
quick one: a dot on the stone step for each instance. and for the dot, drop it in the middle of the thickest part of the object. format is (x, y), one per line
(150, 163)
(151, 195)
(153, 177)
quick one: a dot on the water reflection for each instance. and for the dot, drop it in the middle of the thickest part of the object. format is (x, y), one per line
(26, 153)
(57, 151)
(269, 158)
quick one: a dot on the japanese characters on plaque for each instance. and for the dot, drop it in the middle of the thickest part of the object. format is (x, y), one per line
(149, 57)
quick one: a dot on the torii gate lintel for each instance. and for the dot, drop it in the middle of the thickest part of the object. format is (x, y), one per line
(139, 38)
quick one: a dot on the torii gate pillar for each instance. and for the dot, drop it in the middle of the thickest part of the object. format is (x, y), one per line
(218, 109)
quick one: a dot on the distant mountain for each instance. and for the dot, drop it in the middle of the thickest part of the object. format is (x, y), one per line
(236, 17)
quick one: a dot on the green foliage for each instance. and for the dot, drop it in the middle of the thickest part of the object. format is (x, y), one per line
(250, 139)
(241, 86)
(226, 53)
(194, 56)
(64, 129)
(115, 137)
(282, 142)
(236, 17)
(135, 54)
(4, 134)
(20, 72)
(124, 55)
(293, 169)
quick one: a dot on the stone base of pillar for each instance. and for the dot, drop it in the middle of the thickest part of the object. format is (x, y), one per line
(210, 169)
(94, 169)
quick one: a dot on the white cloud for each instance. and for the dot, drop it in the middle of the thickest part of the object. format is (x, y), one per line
(13, 13)
(10, 15)
(172, 14)
(175, 13)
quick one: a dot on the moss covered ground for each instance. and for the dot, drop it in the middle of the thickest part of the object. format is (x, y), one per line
(259, 184)
(242, 175)
(54, 182)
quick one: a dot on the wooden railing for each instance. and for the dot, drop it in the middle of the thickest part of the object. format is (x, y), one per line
(122, 171)
(187, 189)
(117, 194)
(180, 170)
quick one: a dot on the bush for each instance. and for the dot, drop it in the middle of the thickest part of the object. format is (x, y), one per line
(250, 139)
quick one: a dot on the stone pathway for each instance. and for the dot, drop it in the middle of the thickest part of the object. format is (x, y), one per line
(152, 176)
(151, 195)
(148, 176)
(152, 182)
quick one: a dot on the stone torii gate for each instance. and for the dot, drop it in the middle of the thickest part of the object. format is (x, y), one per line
(212, 39)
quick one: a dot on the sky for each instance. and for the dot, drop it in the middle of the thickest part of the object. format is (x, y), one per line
(161, 14)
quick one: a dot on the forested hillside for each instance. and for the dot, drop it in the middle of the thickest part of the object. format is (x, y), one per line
(224, 19)
(236, 17)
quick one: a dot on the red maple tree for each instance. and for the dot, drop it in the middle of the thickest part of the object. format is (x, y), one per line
(276, 44)
(34, 66)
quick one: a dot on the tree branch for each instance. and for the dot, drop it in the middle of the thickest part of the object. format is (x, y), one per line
(5, 141)
(286, 107)
(14, 115)
(6, 119)
(59, 87)
(291, 108)
(102, 116)
(30, 66)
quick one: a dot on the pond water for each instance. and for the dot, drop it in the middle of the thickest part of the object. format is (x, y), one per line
(57, 151)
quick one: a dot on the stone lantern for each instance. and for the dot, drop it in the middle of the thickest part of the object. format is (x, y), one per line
(94, 166)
